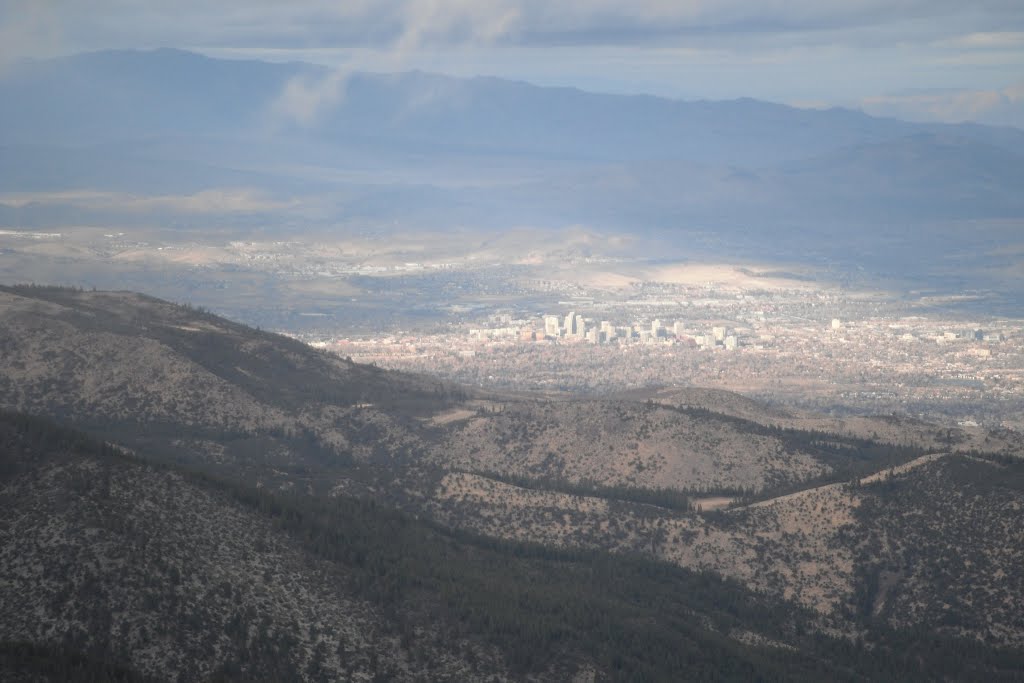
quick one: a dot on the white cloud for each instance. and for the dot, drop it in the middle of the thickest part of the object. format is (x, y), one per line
(223, 200)
(416, 23)
(456, 22)
(987, 40)
(1004, 106)
(426, 22)
(27, 27)
(306, 97)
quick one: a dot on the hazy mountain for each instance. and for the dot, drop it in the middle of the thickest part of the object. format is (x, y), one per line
(976, 179)
(122, 95)
(435, 151)
(109, 96)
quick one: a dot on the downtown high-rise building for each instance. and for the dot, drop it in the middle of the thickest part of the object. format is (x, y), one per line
(581, 327)
(574, 325)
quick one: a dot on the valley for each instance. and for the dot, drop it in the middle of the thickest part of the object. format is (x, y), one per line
(472, 310)
(319, 365)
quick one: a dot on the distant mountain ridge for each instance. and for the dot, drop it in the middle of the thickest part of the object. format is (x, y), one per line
(429, 152)
(103, 96)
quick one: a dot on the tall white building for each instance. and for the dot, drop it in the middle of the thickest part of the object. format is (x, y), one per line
(575, 326)
(581, 327)
(551, 328)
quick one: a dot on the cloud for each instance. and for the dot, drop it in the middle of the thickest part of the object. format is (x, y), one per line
(988, 40)
(1004, 106)
(642, 22)
(27, 26)
(223, 200)
(306, 97)
(455, 22)
(406, 24)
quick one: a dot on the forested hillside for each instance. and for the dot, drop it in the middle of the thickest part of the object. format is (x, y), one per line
(121, 571)
(194, 498)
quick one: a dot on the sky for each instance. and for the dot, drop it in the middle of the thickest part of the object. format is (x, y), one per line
(916, 59)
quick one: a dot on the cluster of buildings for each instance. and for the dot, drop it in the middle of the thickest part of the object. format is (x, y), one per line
(574, 327)
(804, 350)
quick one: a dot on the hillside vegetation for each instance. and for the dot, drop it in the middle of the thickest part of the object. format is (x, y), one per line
(239, 506)
(128, 571)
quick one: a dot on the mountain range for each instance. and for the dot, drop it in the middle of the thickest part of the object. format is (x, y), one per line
(440, 152)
